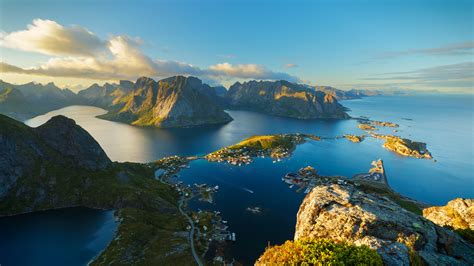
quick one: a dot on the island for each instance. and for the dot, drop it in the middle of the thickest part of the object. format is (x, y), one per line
(384, 124)
(367, 127)
(275, 146)
(354, 138)
(404, 147)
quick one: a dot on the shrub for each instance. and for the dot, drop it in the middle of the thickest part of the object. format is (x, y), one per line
(319, 252)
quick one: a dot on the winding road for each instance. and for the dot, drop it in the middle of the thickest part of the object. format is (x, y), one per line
(191, 233)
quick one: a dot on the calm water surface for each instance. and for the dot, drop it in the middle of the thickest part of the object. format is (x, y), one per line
(445, 123)
(71, 236)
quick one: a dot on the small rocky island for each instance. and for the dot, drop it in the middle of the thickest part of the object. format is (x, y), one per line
(367, 127)
(404, 147)
(354, 138)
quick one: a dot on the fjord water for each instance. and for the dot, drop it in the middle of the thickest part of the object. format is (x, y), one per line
(444, 122)
(70, 236)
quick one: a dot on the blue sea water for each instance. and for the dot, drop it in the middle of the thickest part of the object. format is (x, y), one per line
(70, 236)
(444, 122)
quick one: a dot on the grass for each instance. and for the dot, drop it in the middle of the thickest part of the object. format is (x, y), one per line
(319, 252)
(264, 143)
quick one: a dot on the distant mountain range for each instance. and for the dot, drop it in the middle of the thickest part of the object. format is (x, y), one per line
(283, 98)
(32, 99)
(181, 101)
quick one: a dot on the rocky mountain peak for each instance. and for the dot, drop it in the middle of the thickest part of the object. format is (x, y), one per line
(70, 140)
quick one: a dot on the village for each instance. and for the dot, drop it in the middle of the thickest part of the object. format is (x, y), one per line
(205, 227)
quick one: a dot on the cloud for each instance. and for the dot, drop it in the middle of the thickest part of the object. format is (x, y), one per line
(247, 71)
(84, 55)
(464, 48)
(454, 75)
(291, 65)
(49, 37)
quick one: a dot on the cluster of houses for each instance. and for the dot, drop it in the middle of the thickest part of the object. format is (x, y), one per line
(232, 156)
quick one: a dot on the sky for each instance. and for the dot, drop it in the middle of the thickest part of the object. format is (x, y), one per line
(386, 44)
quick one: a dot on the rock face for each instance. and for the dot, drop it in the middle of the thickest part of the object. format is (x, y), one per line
(346, 213)
(59, 142)
(283, 98)
(172, 102)
(458, 214)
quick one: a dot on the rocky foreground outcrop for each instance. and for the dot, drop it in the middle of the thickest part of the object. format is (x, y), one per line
(458, 214)
(283, 98)
(345, 212)
(173, 102)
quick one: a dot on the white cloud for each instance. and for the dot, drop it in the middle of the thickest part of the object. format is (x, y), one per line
(248, 71)
(83, 55)
(49, 37)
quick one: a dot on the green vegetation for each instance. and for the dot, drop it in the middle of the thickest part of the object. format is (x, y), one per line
(318, 252)
(148, 238)
(264, 143)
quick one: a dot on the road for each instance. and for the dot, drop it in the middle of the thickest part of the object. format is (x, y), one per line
(191, 233)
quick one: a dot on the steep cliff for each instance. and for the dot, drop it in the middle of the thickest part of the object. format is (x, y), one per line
(173, 102)
(283, 98)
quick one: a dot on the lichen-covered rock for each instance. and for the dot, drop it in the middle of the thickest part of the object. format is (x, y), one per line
(458, 214)
(346, 213)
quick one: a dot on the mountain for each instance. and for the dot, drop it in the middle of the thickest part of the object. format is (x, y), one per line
(283, 98)
(172, 102)
(104, 96)
(342, 94)
(59, 165)
(31, 99)
(220, 91)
